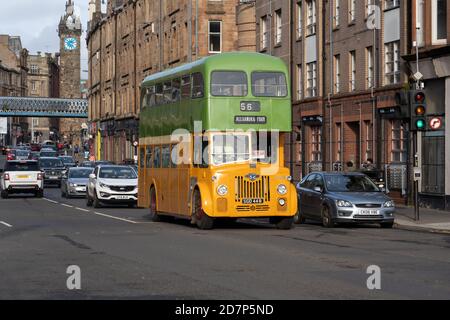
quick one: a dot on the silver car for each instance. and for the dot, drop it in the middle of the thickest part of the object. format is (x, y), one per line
(74, 183)
(343, 198)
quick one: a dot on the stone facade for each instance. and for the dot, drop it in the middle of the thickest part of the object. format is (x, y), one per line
(136, 38)
(43, 74)
(70, 66)
(13, 82)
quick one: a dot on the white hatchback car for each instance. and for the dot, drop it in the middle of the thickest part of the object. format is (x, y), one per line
(110, 184)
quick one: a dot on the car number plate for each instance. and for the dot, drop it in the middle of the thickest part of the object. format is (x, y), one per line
(81, 189)
(252, 201)
(23, 177)
(53, 178)
(369, 212)
(123, 197)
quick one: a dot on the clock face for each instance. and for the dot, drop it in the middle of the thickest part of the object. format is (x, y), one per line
(70, 43)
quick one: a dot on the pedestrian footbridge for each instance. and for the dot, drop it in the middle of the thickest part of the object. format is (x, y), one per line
(43, 107)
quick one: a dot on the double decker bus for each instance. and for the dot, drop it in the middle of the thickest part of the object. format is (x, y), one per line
(212, 136)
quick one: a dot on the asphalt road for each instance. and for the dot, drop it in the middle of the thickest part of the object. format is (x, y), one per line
(122, 255)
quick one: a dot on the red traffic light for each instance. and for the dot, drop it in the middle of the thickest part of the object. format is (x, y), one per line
(420, 110)
(419, 97)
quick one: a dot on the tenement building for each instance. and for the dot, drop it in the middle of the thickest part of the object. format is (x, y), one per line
(43, 81)
(13, 82)
(346, 65)
(137, 38)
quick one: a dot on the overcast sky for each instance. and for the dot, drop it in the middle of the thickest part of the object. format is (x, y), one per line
(36, 22)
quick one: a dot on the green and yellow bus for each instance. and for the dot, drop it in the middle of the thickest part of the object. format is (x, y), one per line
(212, 136)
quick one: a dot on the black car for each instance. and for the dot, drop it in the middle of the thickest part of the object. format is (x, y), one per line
(48, 154)
(69, 162)
(53, 169)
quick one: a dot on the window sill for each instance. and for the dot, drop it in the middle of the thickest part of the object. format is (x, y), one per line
(278, 45)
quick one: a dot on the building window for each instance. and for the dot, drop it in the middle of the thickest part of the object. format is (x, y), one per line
(35, 122)
(439, 21)
(299, 20)
(33, 85)
(299, 82)
(389, 4)
(34, 69)
(316, 144)
(311, 79)
(264, 33)
(337, 73)
(215, 36)
(336, 15)
(311, 20)
(339, 142)
(278, 27)
(398, 148)
(352, 70)
(368, 136)
(370, 68)
(351, 11)
(392, 63)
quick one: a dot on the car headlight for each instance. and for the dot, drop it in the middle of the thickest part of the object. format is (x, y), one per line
(102, 185)
(73, 184)
(222, 190)
(344, 204)
(389, 204)
(282, 189)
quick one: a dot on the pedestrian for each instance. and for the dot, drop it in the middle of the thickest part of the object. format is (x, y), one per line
(77, 149)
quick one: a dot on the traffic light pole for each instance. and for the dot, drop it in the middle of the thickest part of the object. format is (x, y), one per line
(416, 180)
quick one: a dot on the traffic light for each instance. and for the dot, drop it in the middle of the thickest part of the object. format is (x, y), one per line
(418, 110)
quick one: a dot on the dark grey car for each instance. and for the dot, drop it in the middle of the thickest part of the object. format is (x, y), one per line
(343, 198)
(74, 183)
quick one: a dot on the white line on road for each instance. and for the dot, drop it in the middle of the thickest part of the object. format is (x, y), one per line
(112, 217)
(52, 201)
(81, 209)
(6, 224)
(66, 205)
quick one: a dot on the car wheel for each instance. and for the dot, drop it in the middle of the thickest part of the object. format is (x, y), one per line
(4, 194)
(282, 223)
(387, 225)
(299, 218)
(153, 209)
(89, 201)
(203, 221)
(327, 220)
(96, 202)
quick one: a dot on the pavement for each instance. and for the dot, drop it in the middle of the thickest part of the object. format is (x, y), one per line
(430, 220)
(124, 255)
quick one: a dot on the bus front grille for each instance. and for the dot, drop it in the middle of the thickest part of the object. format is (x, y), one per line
(246, 189)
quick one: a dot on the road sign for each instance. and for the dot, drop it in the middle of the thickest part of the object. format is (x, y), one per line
(435, 123)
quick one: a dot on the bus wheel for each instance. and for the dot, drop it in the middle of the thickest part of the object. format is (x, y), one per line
(204, 222)
(153, 212)
(282, 223)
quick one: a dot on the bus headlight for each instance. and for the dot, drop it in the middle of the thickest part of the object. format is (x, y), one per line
(222, 190)
(282, 189)
(282, 202)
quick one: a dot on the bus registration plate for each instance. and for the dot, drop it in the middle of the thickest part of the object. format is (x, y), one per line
(252, 201)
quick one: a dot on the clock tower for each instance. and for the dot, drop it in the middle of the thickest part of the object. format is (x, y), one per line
(70, 31)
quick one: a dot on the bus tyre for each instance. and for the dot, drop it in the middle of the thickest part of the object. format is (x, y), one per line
(282, 223)
(327, 220)
(203, 221)
(153, 209)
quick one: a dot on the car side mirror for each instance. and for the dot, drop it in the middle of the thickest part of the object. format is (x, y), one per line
(92, 176)
(318, 189)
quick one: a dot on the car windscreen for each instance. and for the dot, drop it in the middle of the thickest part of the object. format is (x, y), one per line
(117, 173)
(22, 153)
(18, 166)
(269, 84)
(67, 160)
(51, 163)
(349, 183)
(80, 173)
(229, 84)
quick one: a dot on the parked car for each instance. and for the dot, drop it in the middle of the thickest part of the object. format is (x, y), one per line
(45, 153)
(111, 184)
(22, 154)
(11, 155)
(68, 161)
(74, 183)
(21, 177)
(53, 169)
(343, 198)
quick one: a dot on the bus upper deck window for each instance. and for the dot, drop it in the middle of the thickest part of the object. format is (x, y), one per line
(198, 87)
(229, 84)
(186, 87)
(269, 84)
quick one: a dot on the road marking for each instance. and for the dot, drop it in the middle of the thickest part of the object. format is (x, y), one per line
(81, 209)
(52, 201)
(112, 217)
(66, 205)
(6, 224)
